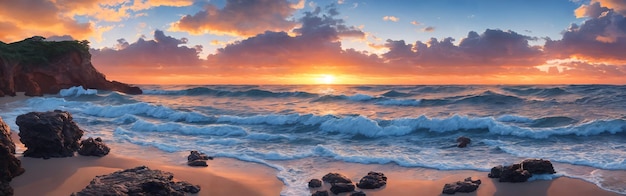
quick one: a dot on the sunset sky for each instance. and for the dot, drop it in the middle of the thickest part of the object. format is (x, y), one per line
(339, 41)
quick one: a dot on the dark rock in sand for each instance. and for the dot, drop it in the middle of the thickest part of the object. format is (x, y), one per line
(5, 188)
(466, 186)
(93, 147)
(337, 188)
(336, 178)
(320, 193)
(315, 183)
(39, 67)
(538, 166)
(195, 155)
(196, 158)
(199, 163)
(360, 193)
(137, 181)
(5, 136)
(49, 134)
(463, 141)
(373, 180)
(514, 173)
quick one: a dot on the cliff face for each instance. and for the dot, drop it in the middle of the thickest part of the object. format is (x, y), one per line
(38, 67)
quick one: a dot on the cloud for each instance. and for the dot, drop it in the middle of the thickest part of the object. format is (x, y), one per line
(415, 23)
(48, 21)
(428, 29)
(60, 38)
(494, 50)
(600, 38)
(164, 54)
(315, 47)
(391, 18)
(618, 6)
(240, 18)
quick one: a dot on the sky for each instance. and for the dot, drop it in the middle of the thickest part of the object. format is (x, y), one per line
(336, 41)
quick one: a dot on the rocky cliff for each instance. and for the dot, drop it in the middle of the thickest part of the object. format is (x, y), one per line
(38, 67)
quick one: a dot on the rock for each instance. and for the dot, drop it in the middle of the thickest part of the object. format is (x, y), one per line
(137, 181)
(10, 166)
(5, 188)
(195, 155)
(463, 141)
(200, 163)
(336, 178)
(320, 193)
(5, 136)
(196, 158)
(93, 147)
(360, 193)
(337, 188)
(49, 134)
(315, 183)
(495, 172)
(514, 173)
(465, 186)
(373, 180)
(538, 166)
(39, 67)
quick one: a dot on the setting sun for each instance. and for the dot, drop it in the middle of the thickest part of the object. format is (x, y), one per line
(326, 79)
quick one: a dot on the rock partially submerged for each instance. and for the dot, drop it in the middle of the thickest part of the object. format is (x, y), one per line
(466, 186)
(523, 171)
(337, 188)
(93, 147)
(137, 181)
(373, 180)
(196, 158)
(320, 193)
(463, 141)
(49, 134)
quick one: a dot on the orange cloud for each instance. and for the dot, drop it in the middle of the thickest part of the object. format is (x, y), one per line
(240, 18)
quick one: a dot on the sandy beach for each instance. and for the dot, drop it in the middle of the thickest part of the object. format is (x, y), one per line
(8, 99)
(224, 176)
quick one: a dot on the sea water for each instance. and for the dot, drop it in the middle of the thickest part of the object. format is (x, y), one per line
(580, 128)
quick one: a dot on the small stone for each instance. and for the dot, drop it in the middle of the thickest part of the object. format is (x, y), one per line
(320, 193)
(463, 141)
(336, 178)
(337, 188)
(200, 163)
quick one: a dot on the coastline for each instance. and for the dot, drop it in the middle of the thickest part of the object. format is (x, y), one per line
(226, 176)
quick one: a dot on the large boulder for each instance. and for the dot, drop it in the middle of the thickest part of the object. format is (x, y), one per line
(538, 166)
(5, 136)
(137, 181)
(511, 173)
(466, 186)
(522, 171)
(39, 67)
(93, 147)
(49, 134)
(336, 178)
(373, 180)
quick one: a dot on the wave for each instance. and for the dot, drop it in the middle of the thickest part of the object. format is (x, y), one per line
(393, 93)
(77, 91)
(212, 130)
(541, 92)
(489, 97)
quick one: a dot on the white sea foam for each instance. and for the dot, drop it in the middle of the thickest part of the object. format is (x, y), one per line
(77, 91)
(141, 108)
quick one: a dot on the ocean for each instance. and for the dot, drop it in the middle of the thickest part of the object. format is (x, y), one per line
(580, 128)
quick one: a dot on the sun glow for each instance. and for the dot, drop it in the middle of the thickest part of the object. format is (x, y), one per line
(326, 79)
